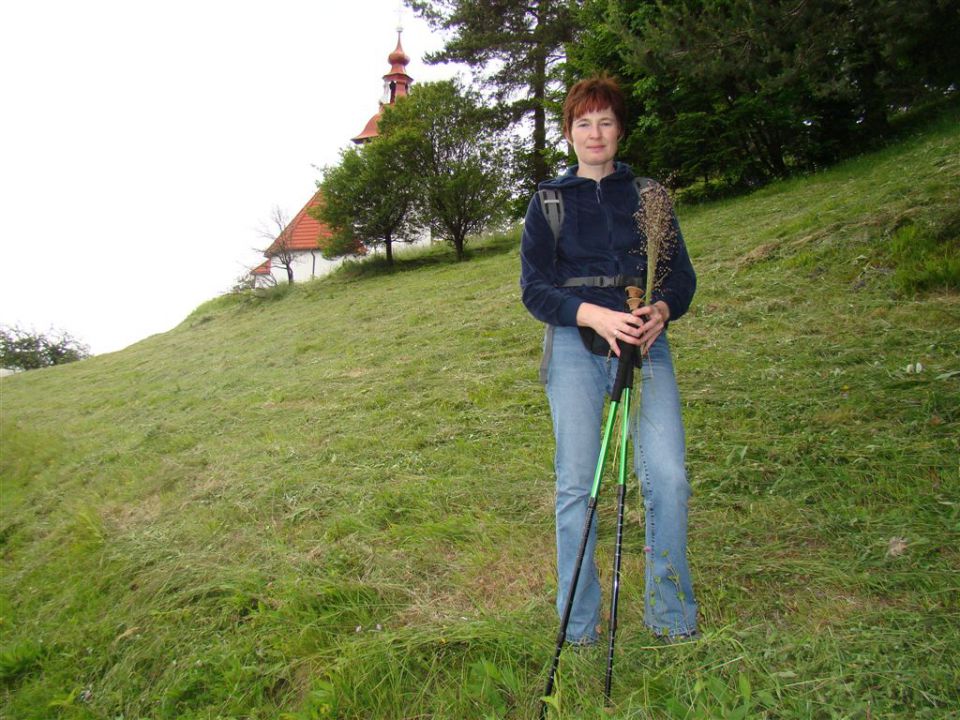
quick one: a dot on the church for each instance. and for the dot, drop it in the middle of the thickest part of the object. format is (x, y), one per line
(299, 242)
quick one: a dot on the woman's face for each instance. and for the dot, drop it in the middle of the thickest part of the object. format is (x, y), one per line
(595, 136)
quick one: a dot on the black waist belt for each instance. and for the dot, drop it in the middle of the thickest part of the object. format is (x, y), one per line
(603, 281)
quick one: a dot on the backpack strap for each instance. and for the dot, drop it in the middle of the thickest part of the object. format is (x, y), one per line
(643, 184)
(551, 202)
(547, 354)
(603, 281)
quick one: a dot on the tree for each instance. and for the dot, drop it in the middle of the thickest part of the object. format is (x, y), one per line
(368, 199)
(279, 232)
(519, 43)
(25, 350)
(452, 160)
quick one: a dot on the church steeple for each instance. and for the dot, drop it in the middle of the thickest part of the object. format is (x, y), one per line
(397, 79)
(396, 84)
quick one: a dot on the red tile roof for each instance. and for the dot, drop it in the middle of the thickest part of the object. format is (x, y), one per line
(261, 269)
(370, 129)
(304, 231)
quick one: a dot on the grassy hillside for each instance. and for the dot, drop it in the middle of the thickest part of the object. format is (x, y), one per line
(336, 501)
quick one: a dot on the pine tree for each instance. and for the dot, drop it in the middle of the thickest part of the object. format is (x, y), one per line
(515, 47)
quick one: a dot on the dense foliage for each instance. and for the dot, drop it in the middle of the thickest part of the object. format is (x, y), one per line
(435, 167)
(368, 199)
(27, 350)
(454, 165)
(736, 92)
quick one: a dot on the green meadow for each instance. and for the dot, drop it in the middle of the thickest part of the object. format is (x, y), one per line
(334, 500)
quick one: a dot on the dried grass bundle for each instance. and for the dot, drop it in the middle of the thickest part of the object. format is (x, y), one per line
(655, 220)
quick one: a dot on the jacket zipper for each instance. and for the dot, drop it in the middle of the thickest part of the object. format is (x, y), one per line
(606, 216)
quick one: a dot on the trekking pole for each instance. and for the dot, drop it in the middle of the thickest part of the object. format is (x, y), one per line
(634, 300)
(624, 368)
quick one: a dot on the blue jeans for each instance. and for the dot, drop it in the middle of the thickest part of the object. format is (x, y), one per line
(577, 385)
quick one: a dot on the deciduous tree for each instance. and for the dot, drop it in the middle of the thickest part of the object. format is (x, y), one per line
(368, 199)
(454, 163)
(279, 232)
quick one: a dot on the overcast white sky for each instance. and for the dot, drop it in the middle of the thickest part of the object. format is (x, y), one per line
(143, 144)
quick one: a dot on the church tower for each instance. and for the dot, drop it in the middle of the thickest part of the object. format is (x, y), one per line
(396, 84)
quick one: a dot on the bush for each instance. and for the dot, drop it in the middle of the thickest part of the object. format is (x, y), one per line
(23, 350)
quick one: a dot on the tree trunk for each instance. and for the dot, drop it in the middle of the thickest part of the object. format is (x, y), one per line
(388, 242)
(539, 167)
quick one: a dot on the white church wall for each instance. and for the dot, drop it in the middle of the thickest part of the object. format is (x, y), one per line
(309, 265)
(306, 266)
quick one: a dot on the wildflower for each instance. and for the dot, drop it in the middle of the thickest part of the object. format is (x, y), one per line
(896, 547)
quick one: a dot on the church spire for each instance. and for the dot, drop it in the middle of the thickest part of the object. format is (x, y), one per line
(396, 84)
(397, 80)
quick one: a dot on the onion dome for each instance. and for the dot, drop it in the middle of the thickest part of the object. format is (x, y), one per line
(398, 59)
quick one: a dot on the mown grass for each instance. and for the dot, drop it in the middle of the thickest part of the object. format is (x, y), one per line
(335, 501)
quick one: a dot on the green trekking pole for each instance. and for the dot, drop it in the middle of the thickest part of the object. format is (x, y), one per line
(618, 553)
(624, 375)
(634, 299)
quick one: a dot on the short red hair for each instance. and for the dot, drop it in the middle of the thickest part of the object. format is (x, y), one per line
(593, 94)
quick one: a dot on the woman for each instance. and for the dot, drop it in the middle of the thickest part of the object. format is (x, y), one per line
(566, 283)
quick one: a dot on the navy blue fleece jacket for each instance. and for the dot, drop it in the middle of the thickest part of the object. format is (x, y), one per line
(599, 236)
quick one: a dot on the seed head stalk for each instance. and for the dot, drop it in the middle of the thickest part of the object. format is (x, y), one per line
(658, 238)
(658, 230)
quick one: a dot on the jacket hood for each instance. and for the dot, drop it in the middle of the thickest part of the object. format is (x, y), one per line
(621, 171)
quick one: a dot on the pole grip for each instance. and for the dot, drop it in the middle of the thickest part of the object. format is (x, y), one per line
(624, 370)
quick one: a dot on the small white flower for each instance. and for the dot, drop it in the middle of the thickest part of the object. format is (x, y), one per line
(358, 628)
(910, 369)
(896, 546)
(919, 368)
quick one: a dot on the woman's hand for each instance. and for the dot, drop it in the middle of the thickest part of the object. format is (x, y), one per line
(654, 319)
(610, 325)
(641, 327)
